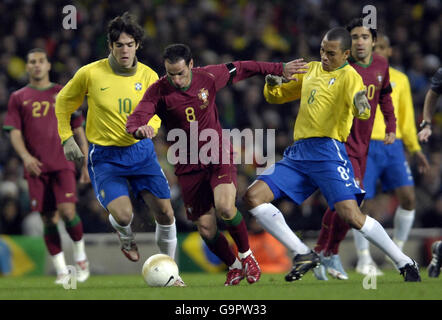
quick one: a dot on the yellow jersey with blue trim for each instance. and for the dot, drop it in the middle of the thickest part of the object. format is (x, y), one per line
(327, 106)
(111, 98)
(403, 110)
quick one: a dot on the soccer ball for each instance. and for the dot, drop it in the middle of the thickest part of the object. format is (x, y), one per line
(160, 270)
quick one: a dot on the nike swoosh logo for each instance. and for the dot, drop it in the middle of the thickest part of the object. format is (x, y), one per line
(102, 89)
(348, 184)
(68, 195)
(219, 177)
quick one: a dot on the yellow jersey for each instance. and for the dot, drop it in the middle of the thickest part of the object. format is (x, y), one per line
(403, 110)
(327, 108)
(111, 98)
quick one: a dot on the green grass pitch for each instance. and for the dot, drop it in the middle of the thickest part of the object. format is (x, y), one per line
(204, 286)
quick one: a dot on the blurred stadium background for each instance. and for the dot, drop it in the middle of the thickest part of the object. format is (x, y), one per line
(217, 31)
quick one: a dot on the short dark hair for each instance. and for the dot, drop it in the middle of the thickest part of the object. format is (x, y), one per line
(340, 34)
(124, 23)
(176, 52)
(359, 22)
(36, 50)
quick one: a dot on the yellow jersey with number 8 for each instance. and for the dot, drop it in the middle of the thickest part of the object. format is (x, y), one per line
(327, 108)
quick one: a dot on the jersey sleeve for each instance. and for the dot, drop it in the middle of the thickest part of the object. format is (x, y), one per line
(13, 118)
(406, 119)
(145, 110)
(353, 85)
(436, 82)
(386, 104)
(233, 72)
(286, 92)
(70, 99)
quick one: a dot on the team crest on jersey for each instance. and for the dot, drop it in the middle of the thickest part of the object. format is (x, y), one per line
(203, 95)
(102, 193)
(379, 78)
(138, 86)
(332, 80)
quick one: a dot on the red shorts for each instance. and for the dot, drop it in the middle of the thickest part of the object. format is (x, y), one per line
(359, 165)
(50, 189)
(197, 188)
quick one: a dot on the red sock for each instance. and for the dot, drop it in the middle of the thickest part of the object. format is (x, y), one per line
(52, 239)
(75, 228)
(325, 231)
(238, 230)
(338, 231)
(220, 246)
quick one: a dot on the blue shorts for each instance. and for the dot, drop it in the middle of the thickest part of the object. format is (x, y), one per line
(310, 164)
(388, 163)
(113, 169)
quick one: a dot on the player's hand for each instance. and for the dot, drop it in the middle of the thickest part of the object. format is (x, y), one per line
(424, 134)
(422, 162)
(293, 67)
(361, 102)
(145, 131)
(32, 165)
(273, 80)
(389, 138)
(72, 151)
(84, 175)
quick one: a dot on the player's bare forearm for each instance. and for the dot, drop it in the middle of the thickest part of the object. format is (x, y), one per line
(430, 105)
(31, 163)
(80, 137)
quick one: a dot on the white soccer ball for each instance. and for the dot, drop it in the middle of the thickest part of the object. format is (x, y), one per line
(160, 270)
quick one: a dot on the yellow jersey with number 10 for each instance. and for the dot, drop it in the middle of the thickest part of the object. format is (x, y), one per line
(327, 108)
(110, 97)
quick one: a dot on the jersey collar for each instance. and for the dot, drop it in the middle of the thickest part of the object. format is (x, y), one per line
(122, 71)
(41, 89)
(185, 88)
(351, 59)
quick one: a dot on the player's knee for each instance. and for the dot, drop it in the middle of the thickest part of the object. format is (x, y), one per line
(350, 214)
(165, 216)
(207, 232)
(225, 210)
(408, 202)
(252, 198)
(123, 217)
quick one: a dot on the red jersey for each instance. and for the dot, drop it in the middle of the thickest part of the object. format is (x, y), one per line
(178, 108)
(32, 111)
(377, 82)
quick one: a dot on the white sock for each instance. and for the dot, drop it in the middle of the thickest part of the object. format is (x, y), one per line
(362, 247)
(403, 221)
(60, 263)
(165, 237)
(236, 265)
(79, 252)
(243, 255)
(125, 231)
(376, 234)
(272, 220)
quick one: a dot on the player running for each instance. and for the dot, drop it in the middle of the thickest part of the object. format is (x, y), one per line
(185, 99)
(113, 87)
(51, 178)
(332, 93)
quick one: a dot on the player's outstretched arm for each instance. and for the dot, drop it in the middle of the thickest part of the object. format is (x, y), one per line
(298, 66)
(145, 131)
(80, 137)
